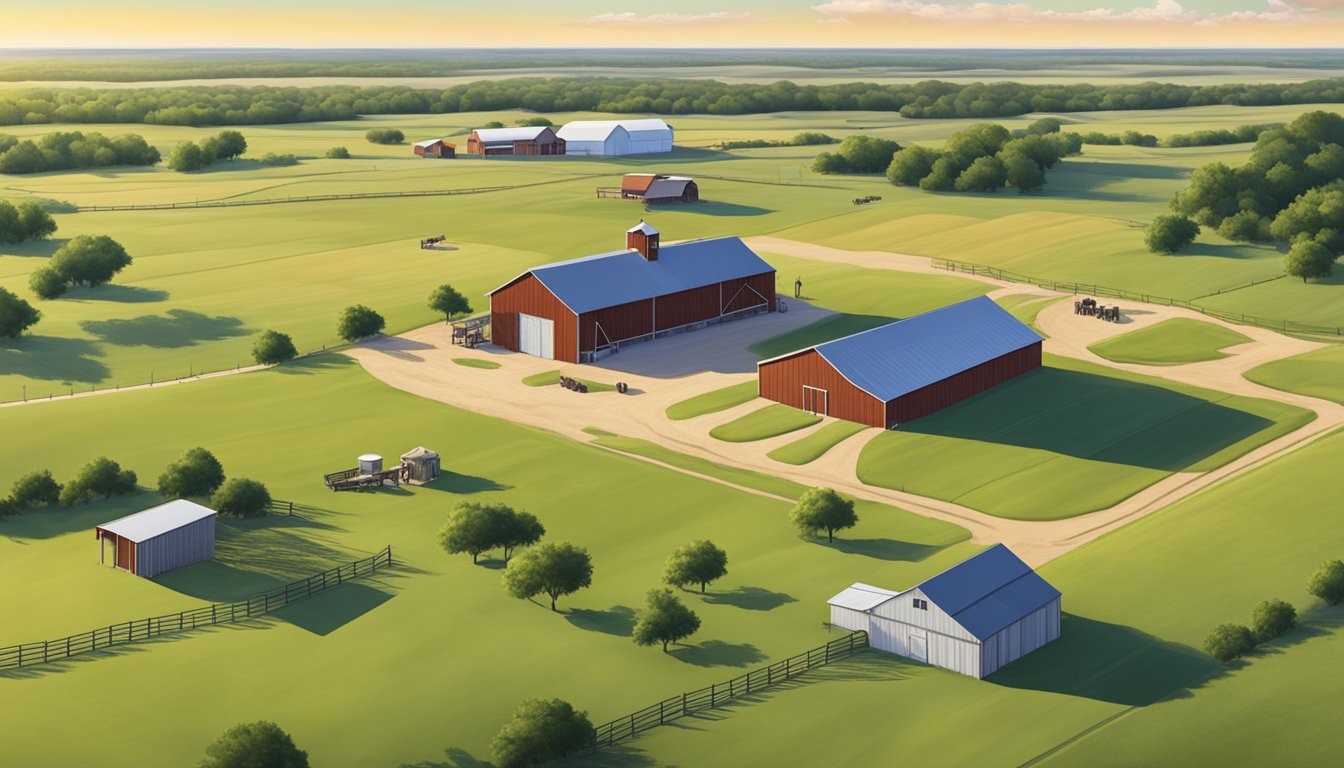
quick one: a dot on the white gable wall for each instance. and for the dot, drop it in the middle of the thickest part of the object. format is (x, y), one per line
(902, 609)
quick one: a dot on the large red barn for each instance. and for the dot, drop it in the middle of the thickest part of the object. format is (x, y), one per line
(579, 310)
(887, 376)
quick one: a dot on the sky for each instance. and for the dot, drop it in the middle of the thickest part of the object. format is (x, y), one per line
(688, 23)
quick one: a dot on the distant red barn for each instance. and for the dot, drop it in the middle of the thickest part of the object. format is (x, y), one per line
(582, 309)
(489, 142)
(435, 148)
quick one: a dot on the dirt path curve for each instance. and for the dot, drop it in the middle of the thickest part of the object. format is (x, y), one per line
(421, 362)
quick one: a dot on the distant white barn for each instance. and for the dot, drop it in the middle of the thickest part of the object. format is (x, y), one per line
(973, 618)
(612, 138)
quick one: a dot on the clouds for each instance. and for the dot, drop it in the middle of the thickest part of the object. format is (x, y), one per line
(666, 19)
(1161, 11)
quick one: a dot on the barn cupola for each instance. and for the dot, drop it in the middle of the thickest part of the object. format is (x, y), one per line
(643, 238)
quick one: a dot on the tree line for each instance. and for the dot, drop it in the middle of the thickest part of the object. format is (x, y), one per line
(65, 150)
(1242, 134)
(190, 156)
(256, 105)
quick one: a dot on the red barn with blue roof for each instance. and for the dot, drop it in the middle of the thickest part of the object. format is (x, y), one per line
(887, 376)
(579, 310)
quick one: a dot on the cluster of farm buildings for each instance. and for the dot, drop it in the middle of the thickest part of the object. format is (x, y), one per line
(602, 138)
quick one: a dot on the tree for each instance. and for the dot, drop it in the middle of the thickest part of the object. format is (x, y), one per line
(517, 529)
(386, 136)
(1272, 618)
(867, 154)
(1169, 234)
(699, 562)
(1045, 125)
(273, 348)
(942, 176)
(665, 619)
(100, 477)
(1020, 170)
(551, 569)
(187, 157)
(830, 162)
(338, 153)
(254, 745)
(359, 322)
(1229, 641)
(493, 124)
(910, 165)
(196, 473)
(47, 283)
(822, 509)
(16, 315)
(535, 121)
(1327, 583)
(449, 301)
(90, 260)
(986, 174)
(1245, 227)
(36, 489)
(540, 732)
(241, 497)
(228, 145)
(1308, 259)
(472, 528)
(34, 223)
(8, 508)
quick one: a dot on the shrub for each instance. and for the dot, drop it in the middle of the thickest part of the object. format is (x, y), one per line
(910, 165)
(1169, 234)
(100, 477)
(1272, 618)
(1229, 641)
(47, 283)
(386, 136)
(867, 154)
(36, 489)
(90, 260)
(1327, 582)
(822, 509)
(196, 473)
(986, 174)
(338, 153)
(274, 160)
(359, 322)
(492, 125)
(665, 619)
(254, 745)
(8, 508)
(1245, 227)
(540, 732)
(241, 497)
(186, 157)
(273, 348)
(830, 162)
(535, 121)
(16, 315)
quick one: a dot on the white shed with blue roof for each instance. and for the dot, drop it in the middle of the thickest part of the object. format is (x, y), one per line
(974, 618)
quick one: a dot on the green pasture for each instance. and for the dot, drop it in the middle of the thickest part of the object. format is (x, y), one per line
(551, 378)
(1176, 341)
(1319, 373)
(713, 402)
(476, 362)
(1124, 685)
(1068, 439)
(815, 445)
(475, 652)
(1025, 307)
(770, 421)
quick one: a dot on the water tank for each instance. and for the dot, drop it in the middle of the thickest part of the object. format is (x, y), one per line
(370, 463)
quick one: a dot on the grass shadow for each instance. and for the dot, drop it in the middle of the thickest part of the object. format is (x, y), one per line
(122, 294)
(823, 330)
(51, 358)
(617, 620)
(34, 248)
(1110, 662)
(716, 653)
(749, 598)
(453, 758)
(178, 328)
(72, 663)
(323, 361)
(454, 482)
(49, 522)
(711, 208)
(329, 611)
(1095, 417)
(885, 549)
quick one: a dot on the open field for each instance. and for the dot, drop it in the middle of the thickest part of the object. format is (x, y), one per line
(1125, 680)
(1068, 439)
(1170, 342)
(815, 445)
(1318, 374)
(713, 402)
(770, 421)
(438, 615)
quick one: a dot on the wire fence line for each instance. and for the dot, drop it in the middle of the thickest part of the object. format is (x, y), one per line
(30, 654)
(1273, 324)
(686, 704)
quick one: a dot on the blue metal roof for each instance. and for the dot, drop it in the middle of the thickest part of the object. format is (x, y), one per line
(989, 591)
(901, 357)
(620, 277)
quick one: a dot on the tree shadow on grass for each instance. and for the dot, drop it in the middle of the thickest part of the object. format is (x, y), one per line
(178, 328)
(1110, 662)
(327, 612)
(885, 549)
(49, 522)
(455, 482)
(123, 294)
(710, 208)
(453, 758)
(38, 248)
(749, 598)
(617, 620)
(323, 361)
(1096, 417)
(51, 358)
(716, 653)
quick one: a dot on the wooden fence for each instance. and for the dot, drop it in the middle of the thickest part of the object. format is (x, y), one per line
(677, 707)
(29, 654)
(1284, 326)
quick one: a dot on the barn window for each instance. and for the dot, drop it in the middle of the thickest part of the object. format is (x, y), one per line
(922, 605)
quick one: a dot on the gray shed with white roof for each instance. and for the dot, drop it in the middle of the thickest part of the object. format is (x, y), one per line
(973, 618)
(616, 137)
(160, 538)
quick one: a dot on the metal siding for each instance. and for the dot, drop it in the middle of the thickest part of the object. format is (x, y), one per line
(686, 307)
(951, 653)
(527, 295)
(783, 379)
(964, 385)
(174, 549)
(1020, 638)
(848, 618)
(901, 608)
(735, 298)
(621, 322)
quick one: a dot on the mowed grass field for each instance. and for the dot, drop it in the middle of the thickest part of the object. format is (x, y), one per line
(1319, 374)
(425, 659)
(1068, 439)
(1125, 684)
(1176, 341)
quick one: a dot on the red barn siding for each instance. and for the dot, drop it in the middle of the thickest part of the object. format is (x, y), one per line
(529, 296)
(686, 307)
(783, 381)
(734, 300)
(623, 321)
(964, 385)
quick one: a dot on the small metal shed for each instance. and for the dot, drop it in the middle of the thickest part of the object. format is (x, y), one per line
(160, 538)
(421, 465)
